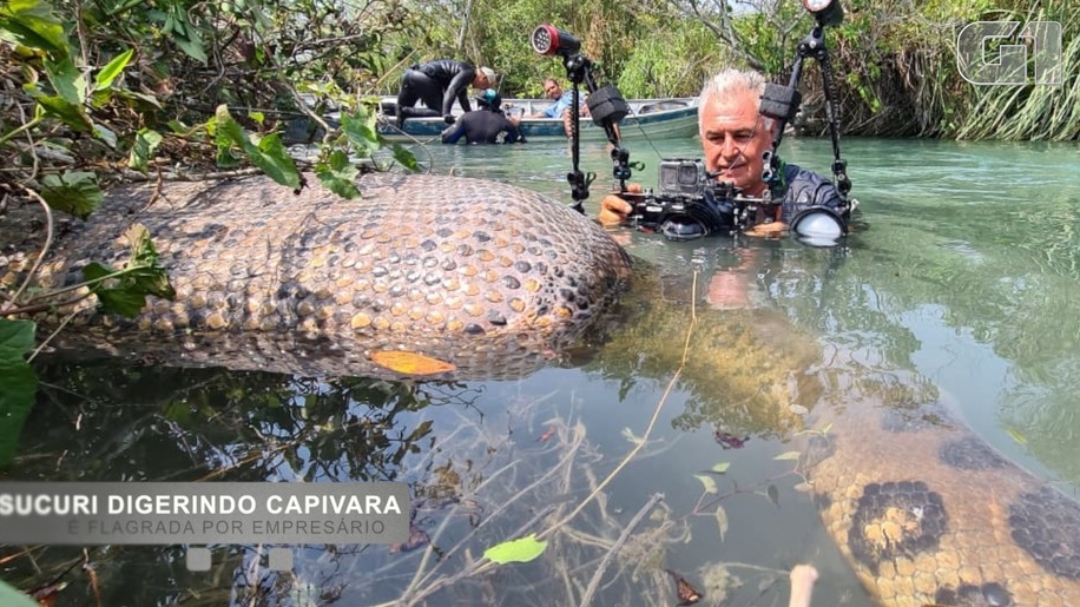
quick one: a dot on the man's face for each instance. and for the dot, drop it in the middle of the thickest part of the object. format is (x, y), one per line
(552, 89)
(734, 137)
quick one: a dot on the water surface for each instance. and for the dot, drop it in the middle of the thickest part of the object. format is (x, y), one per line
(962, 289)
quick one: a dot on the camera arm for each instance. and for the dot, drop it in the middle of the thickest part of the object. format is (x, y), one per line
(607, 107)
(781, 103)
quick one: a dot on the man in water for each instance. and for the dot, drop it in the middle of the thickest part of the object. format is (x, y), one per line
(734, 135)
(438, 83)
(485, 125)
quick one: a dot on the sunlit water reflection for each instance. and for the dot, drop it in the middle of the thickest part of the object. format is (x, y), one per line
(962, 290)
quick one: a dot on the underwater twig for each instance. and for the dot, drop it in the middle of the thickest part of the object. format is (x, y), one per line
(419, 581)
(49, 235)
(648, 429)
(595, 581)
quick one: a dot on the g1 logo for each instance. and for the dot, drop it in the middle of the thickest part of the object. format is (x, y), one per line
(1011, 64)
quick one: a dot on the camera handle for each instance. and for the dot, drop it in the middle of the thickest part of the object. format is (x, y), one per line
(607, 107)
(782, 103)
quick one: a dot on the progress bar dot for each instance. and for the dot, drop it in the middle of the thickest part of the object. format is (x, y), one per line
(198, 559)
(280, 559)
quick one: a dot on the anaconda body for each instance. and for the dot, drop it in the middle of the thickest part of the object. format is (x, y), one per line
(929, 514)
(483, 275)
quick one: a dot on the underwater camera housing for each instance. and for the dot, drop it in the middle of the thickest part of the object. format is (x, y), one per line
(690, 203)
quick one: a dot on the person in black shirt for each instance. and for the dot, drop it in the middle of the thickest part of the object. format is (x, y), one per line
(438, 83)
(734, 134)
(485, 125)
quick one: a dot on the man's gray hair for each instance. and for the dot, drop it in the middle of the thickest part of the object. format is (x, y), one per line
(733, 82)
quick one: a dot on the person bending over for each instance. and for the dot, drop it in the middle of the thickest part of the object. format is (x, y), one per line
(437, 84)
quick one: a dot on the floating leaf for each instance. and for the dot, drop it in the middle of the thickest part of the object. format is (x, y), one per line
(774, 495)
(628, 434)
(516, 551)
(798, 409)
(11, 597)
(805, 487)
(410, 363)
(710, 484)
(721, 520)
(721, 468)
(789, 456)
(1016, 436)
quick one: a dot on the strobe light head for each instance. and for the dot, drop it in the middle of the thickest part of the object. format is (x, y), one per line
(548, 40)
(818, 226)
(827, 12)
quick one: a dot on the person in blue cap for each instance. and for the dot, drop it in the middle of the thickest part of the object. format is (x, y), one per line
(487, 124)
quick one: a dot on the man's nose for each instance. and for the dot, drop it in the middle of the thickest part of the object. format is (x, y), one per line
(730, 148)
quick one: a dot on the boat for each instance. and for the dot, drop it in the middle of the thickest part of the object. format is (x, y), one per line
(669, 118)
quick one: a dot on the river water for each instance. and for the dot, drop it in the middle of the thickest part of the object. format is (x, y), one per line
(961, 287)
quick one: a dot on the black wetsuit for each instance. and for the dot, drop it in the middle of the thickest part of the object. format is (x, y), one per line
(483, 126)
(804, 189)
(436, 83)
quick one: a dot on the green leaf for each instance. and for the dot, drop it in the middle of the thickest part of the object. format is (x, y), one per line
(11, 597)
(19, 388)
(516, 551)
(340, 182)
(258, 117)
(365, 139)
(270, 155)
(105, 135)
(274, 160)
(788, 456)
(69, 113)
(96, 271)
(16, 339)
(146, 142)
(721, 468)
(32, 23)
(125, 293)
(148, 274)
(105, 77)
(74, 192)
(710, 484)
(406, 158)
(121, 301)
(191, 45)
(66, 80)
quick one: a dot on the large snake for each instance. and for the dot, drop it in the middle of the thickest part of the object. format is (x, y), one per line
(929, 514)
(485, 276)
(490, 277)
